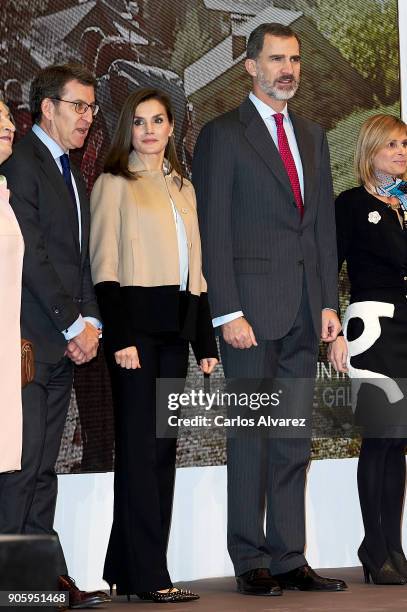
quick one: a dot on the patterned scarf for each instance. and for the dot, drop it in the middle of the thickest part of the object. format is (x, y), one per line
(392, 187)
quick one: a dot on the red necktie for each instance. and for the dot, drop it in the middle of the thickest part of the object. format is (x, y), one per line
(288, 161)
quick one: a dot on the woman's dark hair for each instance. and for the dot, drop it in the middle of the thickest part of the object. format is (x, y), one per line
(117, 160)
(50, 83)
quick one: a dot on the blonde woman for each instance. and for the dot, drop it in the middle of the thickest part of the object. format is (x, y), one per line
(372, 239)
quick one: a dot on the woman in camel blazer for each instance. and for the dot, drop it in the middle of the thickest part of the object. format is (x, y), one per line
(146, 265)
(11, 263)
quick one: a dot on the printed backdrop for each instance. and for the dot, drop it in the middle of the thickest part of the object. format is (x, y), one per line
(194, 50)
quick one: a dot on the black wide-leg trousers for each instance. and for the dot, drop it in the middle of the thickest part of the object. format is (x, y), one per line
(144, 468)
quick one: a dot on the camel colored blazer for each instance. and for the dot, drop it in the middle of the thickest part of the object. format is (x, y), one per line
(135, 262)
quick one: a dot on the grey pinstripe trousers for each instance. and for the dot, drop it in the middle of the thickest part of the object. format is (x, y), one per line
(266, 476)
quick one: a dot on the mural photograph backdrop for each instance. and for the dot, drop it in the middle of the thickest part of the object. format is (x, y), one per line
(194, 50)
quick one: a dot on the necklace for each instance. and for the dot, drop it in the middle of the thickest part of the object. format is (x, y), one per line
(400, 212)
(393, 203)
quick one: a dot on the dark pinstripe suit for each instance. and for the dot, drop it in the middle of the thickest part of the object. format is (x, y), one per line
(261, 259)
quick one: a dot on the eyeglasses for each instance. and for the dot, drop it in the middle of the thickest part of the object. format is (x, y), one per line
(81, 107)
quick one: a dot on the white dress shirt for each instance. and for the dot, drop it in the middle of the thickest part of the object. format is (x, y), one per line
(56, 151)
(182, 248)
(266, 113)
(182, 240)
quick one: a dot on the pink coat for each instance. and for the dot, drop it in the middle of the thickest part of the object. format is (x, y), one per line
(11, 263)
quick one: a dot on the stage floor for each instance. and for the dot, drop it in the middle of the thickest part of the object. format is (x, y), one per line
(219, 595)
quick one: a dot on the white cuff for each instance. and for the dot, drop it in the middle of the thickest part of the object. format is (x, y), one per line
(227, 318)
(75, 329)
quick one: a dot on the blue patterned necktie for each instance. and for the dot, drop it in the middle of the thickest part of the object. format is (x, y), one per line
(66, 171)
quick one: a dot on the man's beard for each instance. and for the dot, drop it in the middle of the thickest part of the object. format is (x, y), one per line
(271, 88)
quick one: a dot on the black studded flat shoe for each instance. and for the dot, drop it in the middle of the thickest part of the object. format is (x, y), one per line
(173, 595)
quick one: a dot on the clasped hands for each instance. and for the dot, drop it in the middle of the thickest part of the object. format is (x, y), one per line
(84, 346)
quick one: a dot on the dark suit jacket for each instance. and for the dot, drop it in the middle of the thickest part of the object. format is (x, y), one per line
(57, 284)
(255, 248)
(374, 246)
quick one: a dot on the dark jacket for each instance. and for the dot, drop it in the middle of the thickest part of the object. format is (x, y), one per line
(57, 284)
(374, 245)
(256, 250)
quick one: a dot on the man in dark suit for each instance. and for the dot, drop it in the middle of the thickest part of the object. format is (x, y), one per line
(265, 203)
(59, 313)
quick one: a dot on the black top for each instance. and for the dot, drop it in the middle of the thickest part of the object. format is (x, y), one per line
(374, 245)
(128, 311)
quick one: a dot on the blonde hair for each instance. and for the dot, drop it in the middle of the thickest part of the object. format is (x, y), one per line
(373, 135)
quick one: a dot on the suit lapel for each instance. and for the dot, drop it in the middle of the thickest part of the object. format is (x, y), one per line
(306, 148)
(54, 177)
(259, 137)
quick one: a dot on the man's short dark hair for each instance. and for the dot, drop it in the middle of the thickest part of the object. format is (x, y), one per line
(256, 38)
(50, 83)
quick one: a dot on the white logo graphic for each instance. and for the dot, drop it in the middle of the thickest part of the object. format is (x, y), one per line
(374, 217)
(369, 312)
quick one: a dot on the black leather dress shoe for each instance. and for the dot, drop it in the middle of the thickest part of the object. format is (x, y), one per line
(258, 582)
(78, 598)
(305, 579)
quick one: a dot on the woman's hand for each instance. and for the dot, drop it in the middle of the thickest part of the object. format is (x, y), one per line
(208, 364)
(128, 358)
(338, 354)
